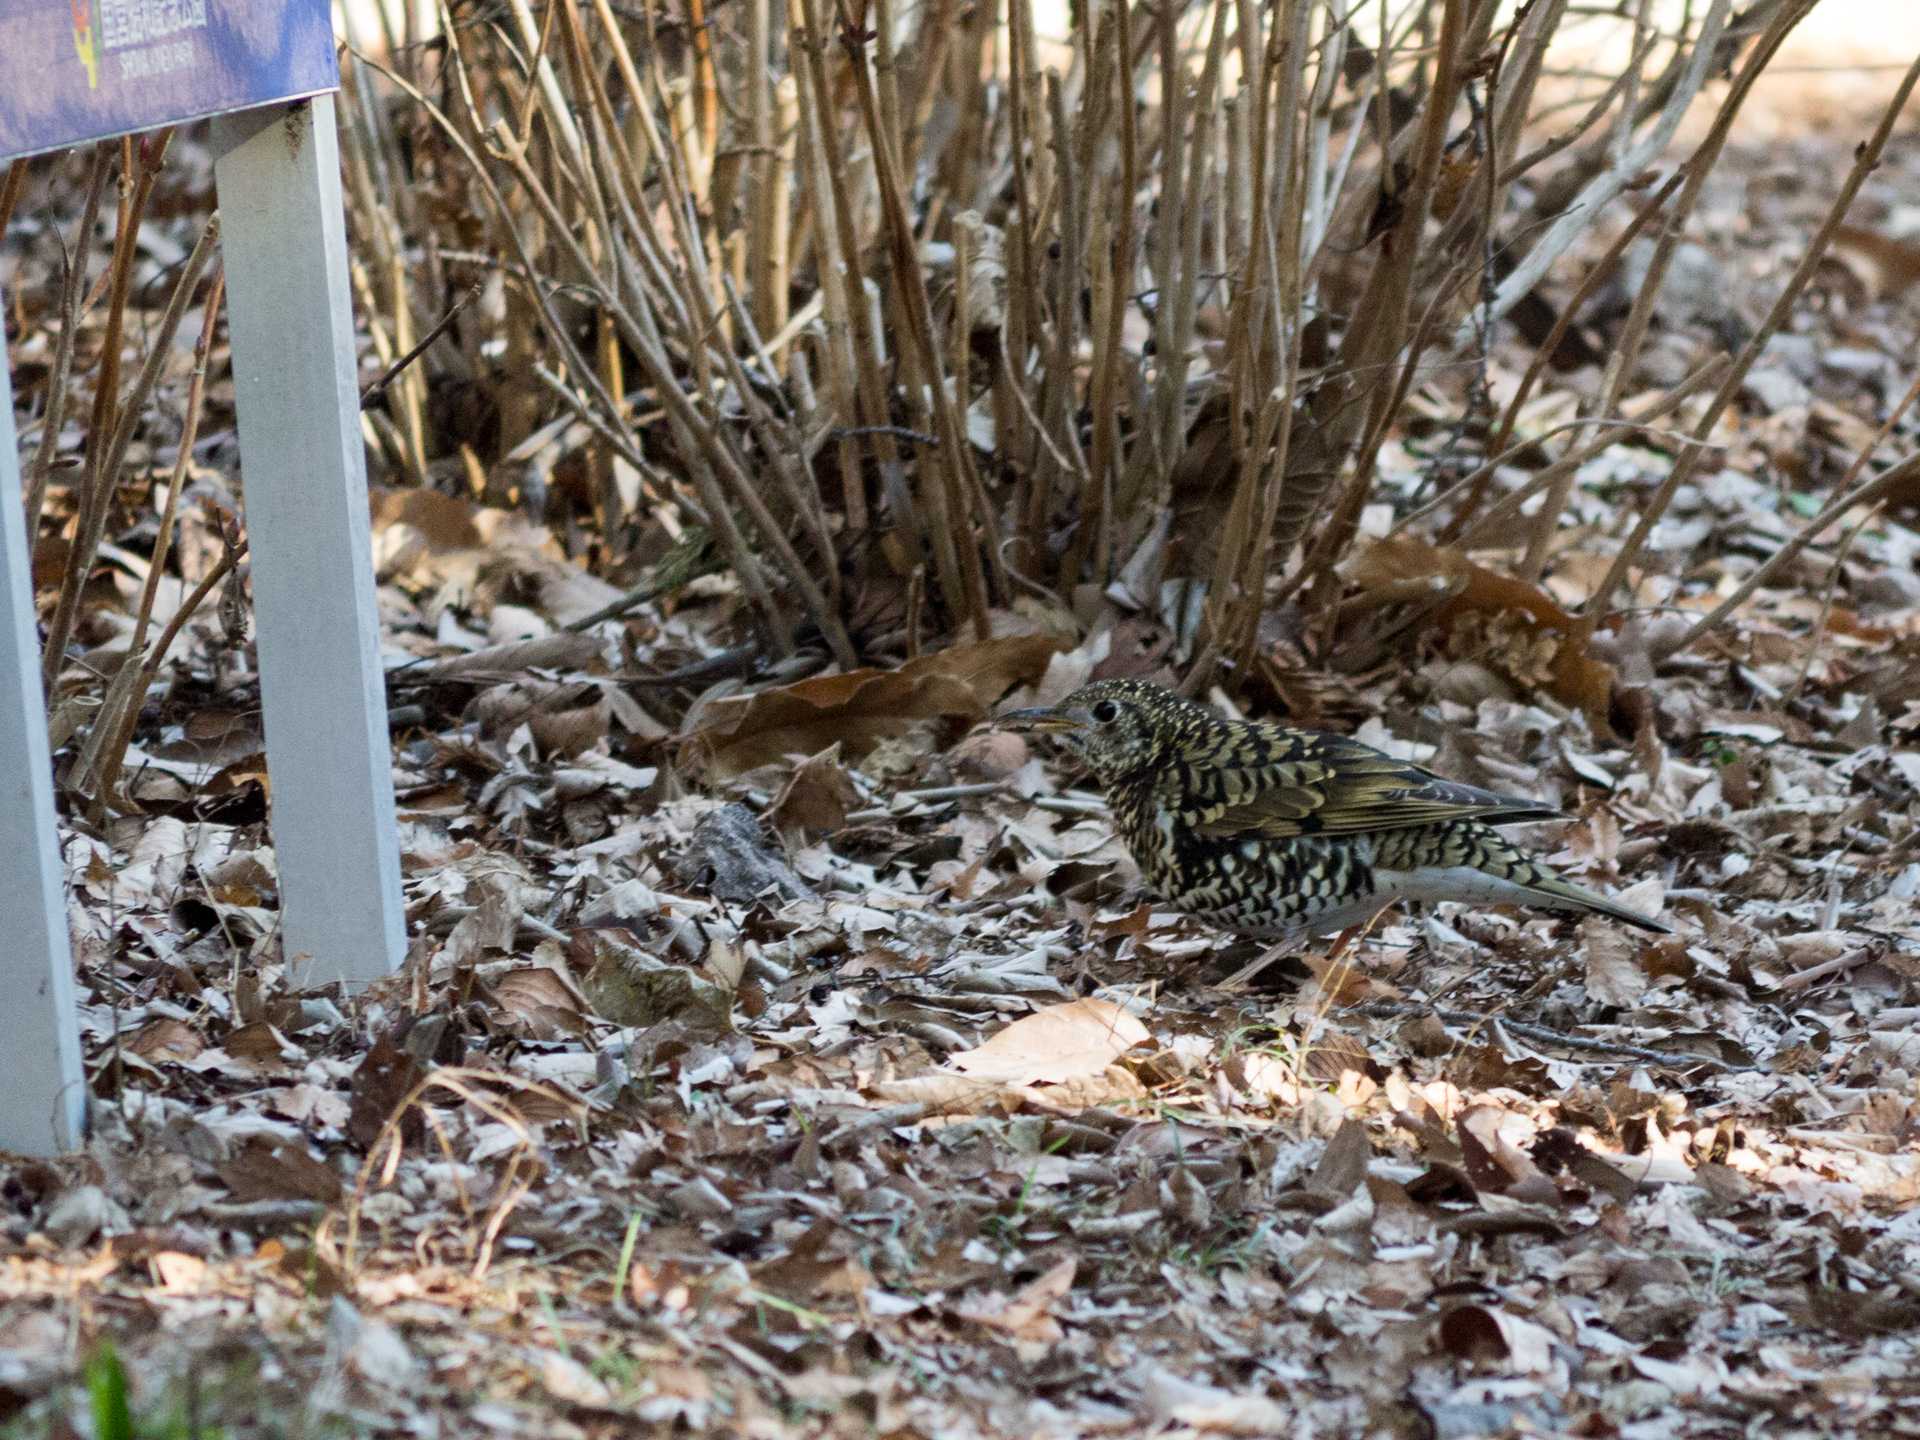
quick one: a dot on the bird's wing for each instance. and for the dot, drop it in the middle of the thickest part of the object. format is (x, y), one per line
(1311, 784)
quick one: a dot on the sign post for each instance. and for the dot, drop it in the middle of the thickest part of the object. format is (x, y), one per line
(88, 70)
(43, 1106)
(316, 622)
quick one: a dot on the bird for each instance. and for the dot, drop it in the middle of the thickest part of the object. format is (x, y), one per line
(1283, 834)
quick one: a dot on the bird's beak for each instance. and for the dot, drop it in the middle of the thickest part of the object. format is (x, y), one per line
(1046, 720)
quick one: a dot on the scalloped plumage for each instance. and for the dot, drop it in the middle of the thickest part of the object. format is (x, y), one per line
(1280, 832)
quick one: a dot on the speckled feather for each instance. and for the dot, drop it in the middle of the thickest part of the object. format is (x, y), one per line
(1280, 832)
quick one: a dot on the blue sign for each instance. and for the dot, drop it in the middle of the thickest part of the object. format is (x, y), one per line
(78, 70)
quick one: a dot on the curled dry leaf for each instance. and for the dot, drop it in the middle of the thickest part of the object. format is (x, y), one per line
(863, 707)
(443, 522)
(165, 1039)
(817, 796)
(490, 927)
(1495, 1163)
(1338, 981)
(945, 1091)
(261, 1043)
(626, 985)
(540, 1002)
(1075, 1041)
(989, 755)
(512, 660)
(177, 1272)
(567, 1379)
(950, 1092)
(1614, 976)
(818, 1266)
(266, 1168)
(1332, 1053)
(574, 729)
(1026, 1316)
(1483, 1333)
(1888, 265)
(1116, 1085)
(551, 708)
(1174, 1399)
(385, 1078)
(1475, 598)
(1343, 1164)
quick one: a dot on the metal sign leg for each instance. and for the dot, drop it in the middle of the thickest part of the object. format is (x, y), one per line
(304, 475)
(43, 1099)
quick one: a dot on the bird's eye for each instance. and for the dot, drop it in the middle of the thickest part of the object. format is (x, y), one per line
(1106, 712)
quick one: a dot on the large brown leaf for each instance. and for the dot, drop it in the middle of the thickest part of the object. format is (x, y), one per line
(1574, 676)
(863, 707)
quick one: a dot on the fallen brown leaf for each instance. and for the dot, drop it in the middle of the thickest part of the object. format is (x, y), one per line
(1075, 1041)
(269, 1169)
(1025, 1316)
(817, 796)
(1483, 1333)
(1475, 593)
(385, 1078)
(863, 707)
(541, 1002)
(165, 1039)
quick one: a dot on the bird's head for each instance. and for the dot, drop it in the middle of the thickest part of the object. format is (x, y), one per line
(1118, 727)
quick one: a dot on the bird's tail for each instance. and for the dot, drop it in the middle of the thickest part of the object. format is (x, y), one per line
(1550, 892)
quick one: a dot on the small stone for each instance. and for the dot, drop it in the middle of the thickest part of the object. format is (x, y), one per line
(989, 755)
(1889, 590)
(82, 1215)
(1775, 390)
(1798, 355)
(1854, 363)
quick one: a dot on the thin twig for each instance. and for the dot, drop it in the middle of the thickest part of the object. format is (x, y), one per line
(1866, 160)
(99, 767)
(379, 387)
(73, 284)
(1401, 1009)
(1869, 493)
(111, 455)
